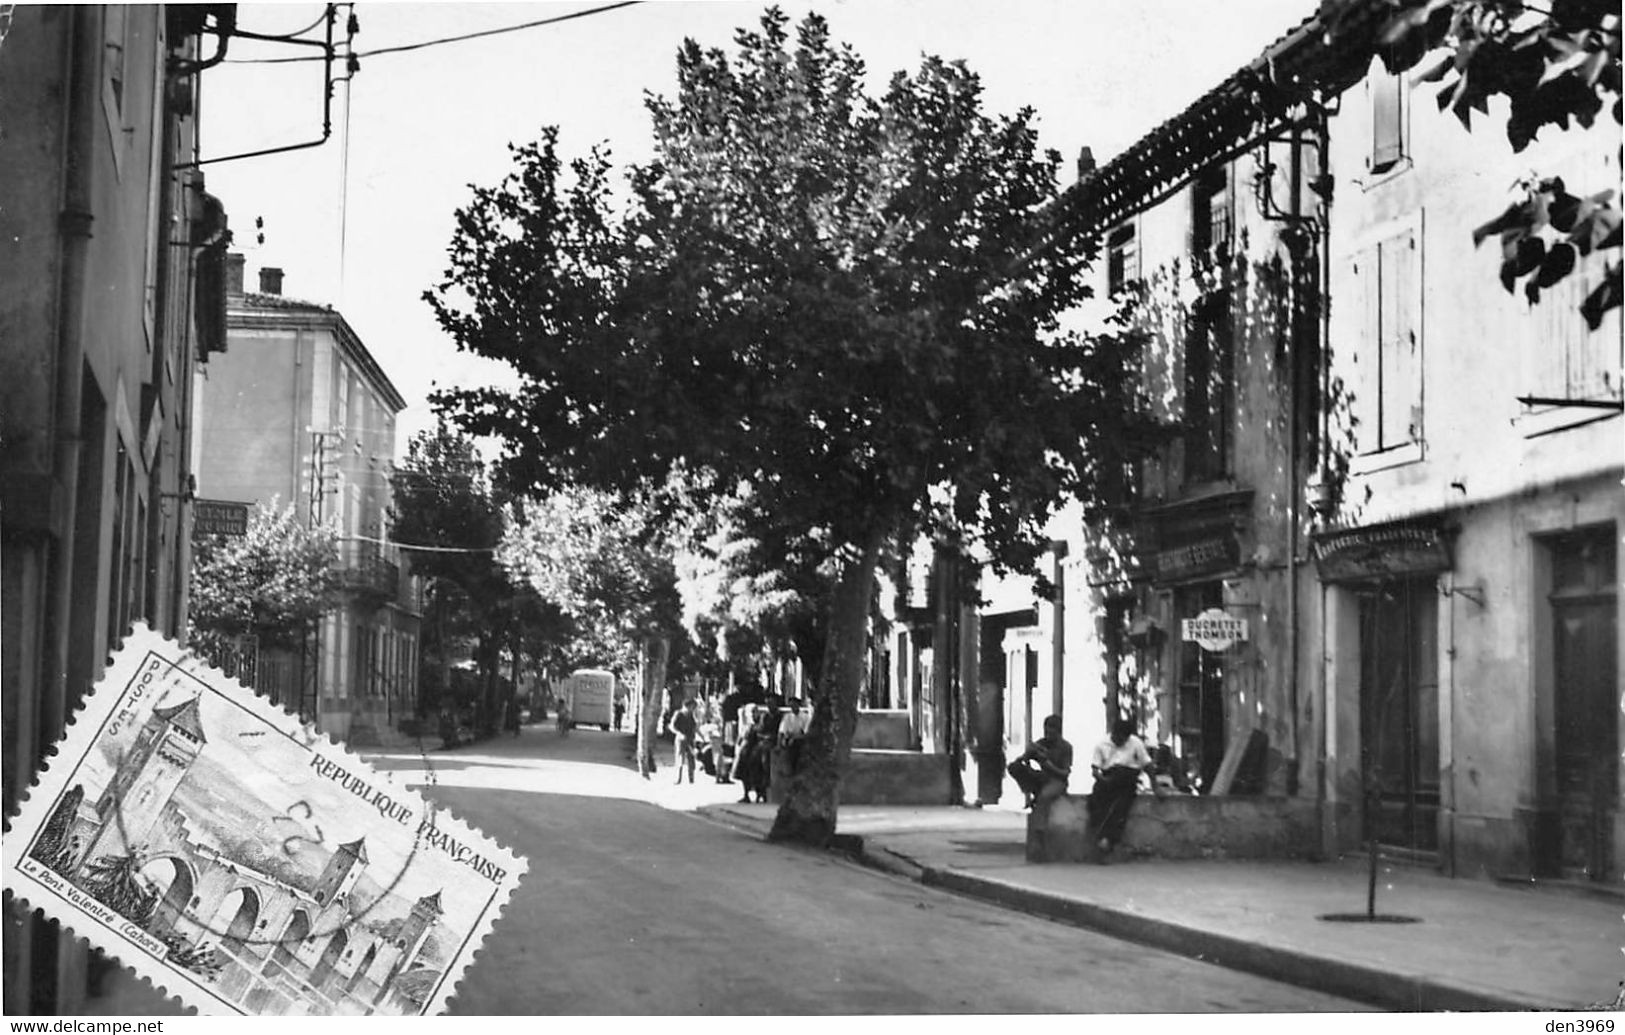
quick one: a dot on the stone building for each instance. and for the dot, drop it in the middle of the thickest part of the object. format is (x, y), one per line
(1362, 549)
(111, 253)
(298, 411)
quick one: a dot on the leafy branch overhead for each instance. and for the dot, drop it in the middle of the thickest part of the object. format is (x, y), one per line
(1557, 65)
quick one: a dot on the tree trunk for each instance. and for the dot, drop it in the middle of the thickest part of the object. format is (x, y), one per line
(653, 653)
(808, 813)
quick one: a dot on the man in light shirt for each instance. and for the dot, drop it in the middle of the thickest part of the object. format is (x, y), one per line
(792, 731)
(1117, 763)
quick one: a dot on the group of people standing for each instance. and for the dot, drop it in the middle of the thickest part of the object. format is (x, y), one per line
(1044, 769)
(733, 737)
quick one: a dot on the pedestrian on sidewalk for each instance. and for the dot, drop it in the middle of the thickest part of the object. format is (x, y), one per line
(684, 727)
(755, 757)
(1116, 764)
(1043, 769)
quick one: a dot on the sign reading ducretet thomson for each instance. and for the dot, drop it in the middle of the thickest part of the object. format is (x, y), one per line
(1213, 630)
(219, 517)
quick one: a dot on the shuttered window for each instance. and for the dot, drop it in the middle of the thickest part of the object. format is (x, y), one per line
(1387, 120)
(1387, 386)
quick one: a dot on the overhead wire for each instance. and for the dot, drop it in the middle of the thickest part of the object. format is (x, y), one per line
(403, 48)
(298, 32)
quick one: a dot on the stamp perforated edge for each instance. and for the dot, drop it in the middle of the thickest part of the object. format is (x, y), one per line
(49, 784)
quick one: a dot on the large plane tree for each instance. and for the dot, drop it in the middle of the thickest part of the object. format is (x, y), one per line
(834, 298)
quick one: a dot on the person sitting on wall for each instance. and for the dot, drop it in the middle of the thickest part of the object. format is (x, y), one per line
(1167, 776)
(792, 732)
(1043, 769)
(1117, 763)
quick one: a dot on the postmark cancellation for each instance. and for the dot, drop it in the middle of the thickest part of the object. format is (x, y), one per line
(243, 862)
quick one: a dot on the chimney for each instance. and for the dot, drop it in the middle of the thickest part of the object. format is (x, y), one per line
(234, 273)
(271, 280)
(1086, 162)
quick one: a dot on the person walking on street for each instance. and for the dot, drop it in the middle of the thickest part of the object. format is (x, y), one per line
(684, 727)
(1116, 763)
(1043, 769)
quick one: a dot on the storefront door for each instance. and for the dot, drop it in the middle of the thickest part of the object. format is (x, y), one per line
(1200, 720)
(1585, 616)
(1399, 711)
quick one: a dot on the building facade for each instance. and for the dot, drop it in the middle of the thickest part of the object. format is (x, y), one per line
(298, 413)
(112, 253)
(1468, 551)
(1362, 546)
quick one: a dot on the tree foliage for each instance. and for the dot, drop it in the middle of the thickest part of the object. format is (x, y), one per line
(602, 559)
(449, 518)
(746, 605)
(1556, 65)
(116, 882)
(275, 581)
(834, 298)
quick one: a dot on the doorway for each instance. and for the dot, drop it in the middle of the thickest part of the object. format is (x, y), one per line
(1399, 712)
(1585, 679)
(1199, 718)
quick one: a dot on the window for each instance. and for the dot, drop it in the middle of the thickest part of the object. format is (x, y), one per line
(1122, 259)
(1569, 370)
(116, 38)
(115, 77)
(1387, 382)
(1210, 214)
(1209, 389)
(1387, 92)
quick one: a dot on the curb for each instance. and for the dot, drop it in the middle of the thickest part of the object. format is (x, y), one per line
(1366, 984)
(1355, 981)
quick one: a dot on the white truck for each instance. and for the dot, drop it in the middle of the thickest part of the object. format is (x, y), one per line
(591, 694)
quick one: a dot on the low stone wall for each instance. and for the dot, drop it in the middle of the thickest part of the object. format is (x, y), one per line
(883, 730)
(881, 778)
(1183, 826)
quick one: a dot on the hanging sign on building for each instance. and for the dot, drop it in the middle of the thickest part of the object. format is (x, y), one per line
(1213, 630)
(219, 517)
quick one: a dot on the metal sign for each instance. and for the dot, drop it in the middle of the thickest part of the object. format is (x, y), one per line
(1213, 630)
(219, 517)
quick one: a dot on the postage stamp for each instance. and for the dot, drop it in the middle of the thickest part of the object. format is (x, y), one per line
(243, 862)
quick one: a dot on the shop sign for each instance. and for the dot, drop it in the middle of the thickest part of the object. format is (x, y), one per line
(219, 517)
(1204, 556)
(1214, 630)
(1384, 552)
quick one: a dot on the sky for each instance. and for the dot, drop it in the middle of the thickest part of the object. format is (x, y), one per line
(362, 221)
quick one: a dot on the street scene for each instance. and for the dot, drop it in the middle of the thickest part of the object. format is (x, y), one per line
(865, 509)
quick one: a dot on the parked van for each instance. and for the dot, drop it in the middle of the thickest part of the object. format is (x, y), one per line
(591, 693)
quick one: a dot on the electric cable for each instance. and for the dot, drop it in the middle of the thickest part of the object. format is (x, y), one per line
(297, 33)
(445, 39)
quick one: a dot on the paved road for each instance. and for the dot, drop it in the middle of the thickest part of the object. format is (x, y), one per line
(633, 906)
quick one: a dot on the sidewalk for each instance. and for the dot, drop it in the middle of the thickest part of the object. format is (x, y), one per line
(1476, 945)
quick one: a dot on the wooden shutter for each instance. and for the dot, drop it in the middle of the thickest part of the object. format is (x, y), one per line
(1363, 381)
(1401, 350)
(1387, 125)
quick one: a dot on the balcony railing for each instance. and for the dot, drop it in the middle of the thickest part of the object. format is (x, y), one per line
(365, 571)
